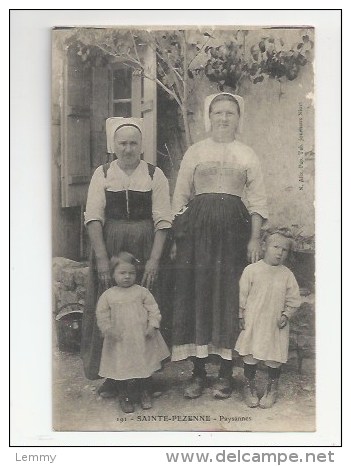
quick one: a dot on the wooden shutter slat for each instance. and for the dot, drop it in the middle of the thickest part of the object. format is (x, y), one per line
(75, 136)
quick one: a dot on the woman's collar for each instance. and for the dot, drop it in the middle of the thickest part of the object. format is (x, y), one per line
(140, 164)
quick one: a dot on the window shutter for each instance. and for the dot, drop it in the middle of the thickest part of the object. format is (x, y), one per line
(148, 108)
(75, 136)
(99, 113)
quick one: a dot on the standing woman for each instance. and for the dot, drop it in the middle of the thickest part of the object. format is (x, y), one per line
(215, 237)
(128, 209)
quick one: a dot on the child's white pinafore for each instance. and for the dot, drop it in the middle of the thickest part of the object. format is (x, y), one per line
(124, 313)
(265, 291)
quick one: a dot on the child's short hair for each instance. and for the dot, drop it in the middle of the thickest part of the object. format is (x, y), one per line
(282, 231)
(123, 256)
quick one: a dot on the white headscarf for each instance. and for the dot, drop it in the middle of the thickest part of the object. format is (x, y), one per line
(112, 125)
(209, 99)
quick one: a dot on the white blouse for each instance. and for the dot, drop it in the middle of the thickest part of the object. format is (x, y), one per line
(213, 167)
(140, 180)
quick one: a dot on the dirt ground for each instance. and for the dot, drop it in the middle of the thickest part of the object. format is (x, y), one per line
(77, 407)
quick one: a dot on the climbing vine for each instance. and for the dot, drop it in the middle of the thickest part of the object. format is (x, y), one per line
(183, 55)
(229, 64)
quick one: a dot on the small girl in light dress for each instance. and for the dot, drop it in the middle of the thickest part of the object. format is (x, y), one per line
(269, 296)
(129, 319)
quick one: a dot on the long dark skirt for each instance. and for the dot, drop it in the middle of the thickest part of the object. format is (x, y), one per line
(119, 235)
(212, 237)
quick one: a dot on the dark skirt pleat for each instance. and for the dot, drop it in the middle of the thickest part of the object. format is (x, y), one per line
(119, 235)
(211, 255)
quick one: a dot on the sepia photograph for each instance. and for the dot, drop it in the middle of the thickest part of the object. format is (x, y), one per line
(183, 228)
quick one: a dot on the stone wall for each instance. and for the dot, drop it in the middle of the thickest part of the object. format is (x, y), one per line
(69, 283)
(302, 336)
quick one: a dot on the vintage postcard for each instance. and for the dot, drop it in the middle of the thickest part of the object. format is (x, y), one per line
(187, 156)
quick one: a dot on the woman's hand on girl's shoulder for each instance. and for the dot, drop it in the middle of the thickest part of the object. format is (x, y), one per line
(253, 250)
(104, 274)
(150, 273)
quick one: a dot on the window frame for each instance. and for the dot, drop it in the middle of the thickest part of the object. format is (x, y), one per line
(136, 90)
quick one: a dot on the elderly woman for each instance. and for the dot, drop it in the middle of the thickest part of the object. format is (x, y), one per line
(128, 209)
(215, 237)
